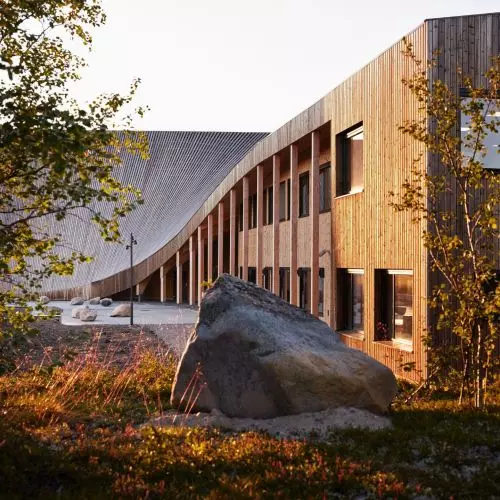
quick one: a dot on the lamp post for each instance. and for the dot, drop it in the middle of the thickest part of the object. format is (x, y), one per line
(130, 247)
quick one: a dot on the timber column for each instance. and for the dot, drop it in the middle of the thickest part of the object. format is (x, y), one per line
(163, 284)
(201, 263)
(314, 214)
(260, 221)
(294, 213)
(245, 228)
(276, 225)
(210, 247)
(178, 276)
(220, 239)
(192, 271)
(232, 232)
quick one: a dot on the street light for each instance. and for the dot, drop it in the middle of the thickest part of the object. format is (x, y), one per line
(130, 247)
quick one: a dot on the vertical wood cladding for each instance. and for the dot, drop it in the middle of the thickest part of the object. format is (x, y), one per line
(366, 232)
(466, 46)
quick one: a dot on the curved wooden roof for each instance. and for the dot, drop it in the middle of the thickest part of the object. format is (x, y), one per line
(183, 170)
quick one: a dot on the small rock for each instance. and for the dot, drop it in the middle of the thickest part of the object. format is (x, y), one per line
(76, 301)
(88, 315)
(106, 302)
(76, 311)
(94, 301)
(55, 310)
(123, 310)
(44, 300)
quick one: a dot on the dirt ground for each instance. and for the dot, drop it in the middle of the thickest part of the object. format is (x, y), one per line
(56, 342)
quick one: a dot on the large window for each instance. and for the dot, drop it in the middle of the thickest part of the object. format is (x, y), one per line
(350, 161)
(324, 188)
(395, 305)
(285, 283)
(491, 141)
(350, 299)
(304, 195)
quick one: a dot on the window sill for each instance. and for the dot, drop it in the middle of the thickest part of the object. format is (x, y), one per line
(396, 344)
(325, 211)
(345, 195)
(353, 333)
(303, 216)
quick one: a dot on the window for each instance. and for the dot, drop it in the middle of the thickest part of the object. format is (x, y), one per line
(289, 198)
(304, 195)
(268, 205)
(350, 299)
(240, 217)
(285, 283)
(395, 307)
(350, 159)
(252, 275)
(321, 292)
(491, 141)
(267, 275)
(252, 211)
(283, 200)
(325, 188)
(305, 288)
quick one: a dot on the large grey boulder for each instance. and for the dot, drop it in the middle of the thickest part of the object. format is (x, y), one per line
(94, 301)
(254, 355)
(123, 310)
(106, 302)
(76, 301)
(88, 314)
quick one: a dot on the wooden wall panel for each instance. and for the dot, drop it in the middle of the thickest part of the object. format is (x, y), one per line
(366, 232)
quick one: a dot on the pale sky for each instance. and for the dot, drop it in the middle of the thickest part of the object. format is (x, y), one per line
(229, 65)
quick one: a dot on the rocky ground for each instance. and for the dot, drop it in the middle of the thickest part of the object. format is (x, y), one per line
(317, 425)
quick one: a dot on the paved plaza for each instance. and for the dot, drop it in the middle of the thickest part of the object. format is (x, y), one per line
(145, 313)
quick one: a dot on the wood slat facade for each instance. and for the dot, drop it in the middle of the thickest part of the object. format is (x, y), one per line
(360, 230)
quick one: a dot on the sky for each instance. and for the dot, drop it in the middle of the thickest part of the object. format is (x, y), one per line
(233, 65)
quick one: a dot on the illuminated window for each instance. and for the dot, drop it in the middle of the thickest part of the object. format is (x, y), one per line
(350, 161)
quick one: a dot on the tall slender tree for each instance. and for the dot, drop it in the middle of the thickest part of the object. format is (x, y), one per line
(462, 238)
(57, 158)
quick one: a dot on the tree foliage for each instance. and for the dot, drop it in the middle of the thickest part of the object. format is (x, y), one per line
(56, 157)
(461, 237)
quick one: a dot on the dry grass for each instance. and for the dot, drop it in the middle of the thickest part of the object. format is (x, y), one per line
(70, 429)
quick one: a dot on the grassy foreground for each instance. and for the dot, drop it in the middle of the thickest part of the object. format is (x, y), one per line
(70, 428)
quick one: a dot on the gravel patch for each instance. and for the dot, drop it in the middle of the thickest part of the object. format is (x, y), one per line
(317, 425)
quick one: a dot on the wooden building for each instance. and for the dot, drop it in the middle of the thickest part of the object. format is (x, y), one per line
(305, 211)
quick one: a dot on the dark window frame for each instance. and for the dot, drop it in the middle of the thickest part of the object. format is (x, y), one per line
(284, 272)
(344, 171)
(345, 305)
(304, 205)
(386, 313)
(327, 188)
